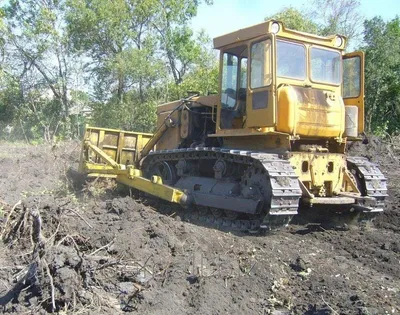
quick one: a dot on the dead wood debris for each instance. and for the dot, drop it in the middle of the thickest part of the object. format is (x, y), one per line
(60, 269)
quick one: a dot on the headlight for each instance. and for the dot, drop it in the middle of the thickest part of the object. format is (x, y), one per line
(275, 27)
(338, 41)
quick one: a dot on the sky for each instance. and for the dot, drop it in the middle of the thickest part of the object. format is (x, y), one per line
(226, 16)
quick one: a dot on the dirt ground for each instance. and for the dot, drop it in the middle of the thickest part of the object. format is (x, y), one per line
(95, 250)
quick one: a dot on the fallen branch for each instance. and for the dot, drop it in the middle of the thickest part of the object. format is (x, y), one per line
(145, 263)
(53, 300)
(326, 303)
(78, 252)
(54, 234)
(101, 248)
(84, 220)
(9, 216)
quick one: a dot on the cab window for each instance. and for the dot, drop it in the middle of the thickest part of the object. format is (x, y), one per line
(242, 93)
(229, 80)
(351, 77)
(291, 60)
(325, 66)
(233, 87)
(261, 72)
(243, 73)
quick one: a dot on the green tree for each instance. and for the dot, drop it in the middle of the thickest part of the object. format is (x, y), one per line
(39, 58)
(382, 72)
(339, 17)
(178, 44)
(296, 20)
(133, 48)
(202, 77)
(115, 36)
(9, 98)
(324, 17)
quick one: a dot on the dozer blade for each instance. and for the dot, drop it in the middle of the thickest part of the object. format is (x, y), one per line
(114, 153)
(118, 147)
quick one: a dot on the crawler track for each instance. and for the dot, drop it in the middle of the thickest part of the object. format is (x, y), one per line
(370, 180)
(274, 178)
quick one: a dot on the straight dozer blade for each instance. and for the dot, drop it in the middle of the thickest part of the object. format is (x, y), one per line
(114, 153)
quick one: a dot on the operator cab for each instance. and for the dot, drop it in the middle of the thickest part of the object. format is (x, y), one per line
(277, 80)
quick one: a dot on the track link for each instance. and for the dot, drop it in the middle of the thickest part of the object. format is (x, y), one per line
(370, 180)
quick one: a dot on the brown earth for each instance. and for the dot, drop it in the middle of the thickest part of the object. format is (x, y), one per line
(101, 252)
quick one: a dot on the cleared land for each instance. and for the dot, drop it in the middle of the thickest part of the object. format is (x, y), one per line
(92, 249)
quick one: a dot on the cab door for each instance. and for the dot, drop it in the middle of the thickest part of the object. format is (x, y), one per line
(261, 96)
(353, 84)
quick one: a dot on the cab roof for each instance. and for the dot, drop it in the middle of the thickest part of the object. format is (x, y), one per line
(264, 28)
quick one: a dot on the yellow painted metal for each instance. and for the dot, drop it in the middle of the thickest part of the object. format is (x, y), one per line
(96, 162)
(133, 178)
(310, 112)
(168, 123)
(245, 132)
(102, 155)
(173, 136)
(287, 111)
(272, 141)
(117, 146)
(266, 27)
(263, 117)
(99, 169)
(322, 174)
(330, 201)
(349, 183)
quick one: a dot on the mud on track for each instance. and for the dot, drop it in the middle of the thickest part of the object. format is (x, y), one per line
(101, 252)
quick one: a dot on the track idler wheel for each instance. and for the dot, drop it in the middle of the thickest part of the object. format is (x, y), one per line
(164, 170)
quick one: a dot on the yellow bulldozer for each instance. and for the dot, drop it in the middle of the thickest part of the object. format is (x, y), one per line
(273, 140)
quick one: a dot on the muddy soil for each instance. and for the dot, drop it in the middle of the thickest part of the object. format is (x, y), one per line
(93, 249)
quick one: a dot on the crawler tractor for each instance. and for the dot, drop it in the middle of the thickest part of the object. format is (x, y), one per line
(273, 140)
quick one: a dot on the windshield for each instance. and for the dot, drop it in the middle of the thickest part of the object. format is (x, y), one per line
(325, 66)
(291, 61)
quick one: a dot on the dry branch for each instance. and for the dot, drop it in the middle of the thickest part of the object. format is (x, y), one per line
(326, 303)
(101, 248)
(84, 220)
(9, 216)
(53, 302)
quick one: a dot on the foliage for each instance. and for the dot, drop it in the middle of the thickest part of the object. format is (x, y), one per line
(296, 20)
(64, 63)
(382, 71)
(67, 62)
(339, 17)
(9, 97)
(136, 51)
(324, 17)
(39, 59)
(203, 77)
